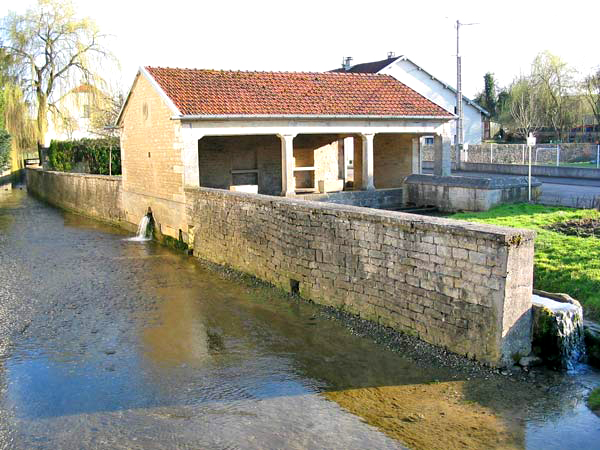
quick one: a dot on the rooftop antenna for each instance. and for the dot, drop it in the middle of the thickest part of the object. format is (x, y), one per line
(459, 107)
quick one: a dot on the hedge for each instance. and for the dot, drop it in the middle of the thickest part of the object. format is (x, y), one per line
(64, 155)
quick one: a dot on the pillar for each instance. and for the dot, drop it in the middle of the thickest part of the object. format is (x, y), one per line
(442, 156)
(288, 183)
(189, 155)
(416, 155)
(367, 161)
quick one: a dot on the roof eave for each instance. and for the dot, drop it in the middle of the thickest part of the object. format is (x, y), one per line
(198, 117)
(142, 71)
(445, 85)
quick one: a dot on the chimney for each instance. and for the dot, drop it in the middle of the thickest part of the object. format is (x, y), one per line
(346, 62)
(391, 55)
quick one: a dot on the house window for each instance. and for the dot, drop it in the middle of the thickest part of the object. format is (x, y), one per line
(429, 140)
(86, 111)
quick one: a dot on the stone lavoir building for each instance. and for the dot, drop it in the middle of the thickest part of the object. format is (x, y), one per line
(276, 133)
(191, 138)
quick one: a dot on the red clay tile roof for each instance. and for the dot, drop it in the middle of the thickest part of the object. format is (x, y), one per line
(217, 92)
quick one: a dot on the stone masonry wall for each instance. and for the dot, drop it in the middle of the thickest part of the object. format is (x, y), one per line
(219, 155)
(463, 286)
(151, 149)
(392, 160)
(98, 196)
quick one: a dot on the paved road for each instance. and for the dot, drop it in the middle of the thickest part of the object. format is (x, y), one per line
(576, 192)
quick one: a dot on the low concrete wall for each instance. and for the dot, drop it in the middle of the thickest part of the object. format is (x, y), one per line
(463, 286)
(380, 198)
(98, 196)
(428, 165)
(455, 193)
(538, 171)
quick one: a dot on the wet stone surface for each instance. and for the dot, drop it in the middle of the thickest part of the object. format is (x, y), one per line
(106, 343)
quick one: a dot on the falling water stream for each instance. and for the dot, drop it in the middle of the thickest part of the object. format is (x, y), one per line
(143, 231)
(105, 343)
(569, 324)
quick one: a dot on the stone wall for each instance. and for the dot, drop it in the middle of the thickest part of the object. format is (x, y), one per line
(221, 159)
(98, 196)
(536, 171)
(428, 153)
(380, 198)
(320, 151)
(392, 160)
(463, 286)
(151, 149)
(456, 193)
(543, 154)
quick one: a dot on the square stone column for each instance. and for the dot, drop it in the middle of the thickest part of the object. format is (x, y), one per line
(189, 156)
(288, 182)
(416, 155)
(441, 156)
(367, 161)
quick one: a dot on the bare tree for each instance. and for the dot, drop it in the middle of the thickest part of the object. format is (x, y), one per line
(104, 113)
(591, 93)
(524, 106)
(51, 49)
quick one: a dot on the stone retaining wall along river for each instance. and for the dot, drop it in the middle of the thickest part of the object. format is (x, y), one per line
(98, 196)
(463, 286)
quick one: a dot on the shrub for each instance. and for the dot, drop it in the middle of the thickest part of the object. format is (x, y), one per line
(4, 149)
(60, 155)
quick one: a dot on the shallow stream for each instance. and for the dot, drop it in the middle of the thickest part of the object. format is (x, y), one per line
(109, 343)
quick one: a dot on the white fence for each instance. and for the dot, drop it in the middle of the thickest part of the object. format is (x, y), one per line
(573, 155)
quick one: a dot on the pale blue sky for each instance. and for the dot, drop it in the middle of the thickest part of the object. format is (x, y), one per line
(314, 35)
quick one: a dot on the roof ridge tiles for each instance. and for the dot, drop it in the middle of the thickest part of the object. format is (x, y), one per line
(290, 72)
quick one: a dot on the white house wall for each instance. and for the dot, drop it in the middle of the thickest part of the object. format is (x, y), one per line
(420, 81)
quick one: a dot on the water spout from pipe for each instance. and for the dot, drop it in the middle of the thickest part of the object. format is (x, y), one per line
(144, 229)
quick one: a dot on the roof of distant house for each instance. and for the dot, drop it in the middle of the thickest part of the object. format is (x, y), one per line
(84, 88)
(370, 67)
(195, 92)
(378, 66)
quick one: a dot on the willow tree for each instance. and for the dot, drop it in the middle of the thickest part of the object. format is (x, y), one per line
(555, 81)
(15, 121)
(51, 50)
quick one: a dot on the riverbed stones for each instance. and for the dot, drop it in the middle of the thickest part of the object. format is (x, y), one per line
(530, 361)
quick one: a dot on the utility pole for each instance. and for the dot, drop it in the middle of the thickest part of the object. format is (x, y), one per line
(459, 106)
(459, 96)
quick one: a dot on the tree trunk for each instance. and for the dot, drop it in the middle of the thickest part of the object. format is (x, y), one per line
(42, 122)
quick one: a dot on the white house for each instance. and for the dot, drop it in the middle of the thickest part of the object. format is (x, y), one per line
(430, 87)
(71, 116)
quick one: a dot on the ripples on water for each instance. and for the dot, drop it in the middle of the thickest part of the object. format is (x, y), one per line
(109, 343)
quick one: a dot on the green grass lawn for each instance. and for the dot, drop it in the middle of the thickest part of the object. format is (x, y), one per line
(594, 400)
(567, 264)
